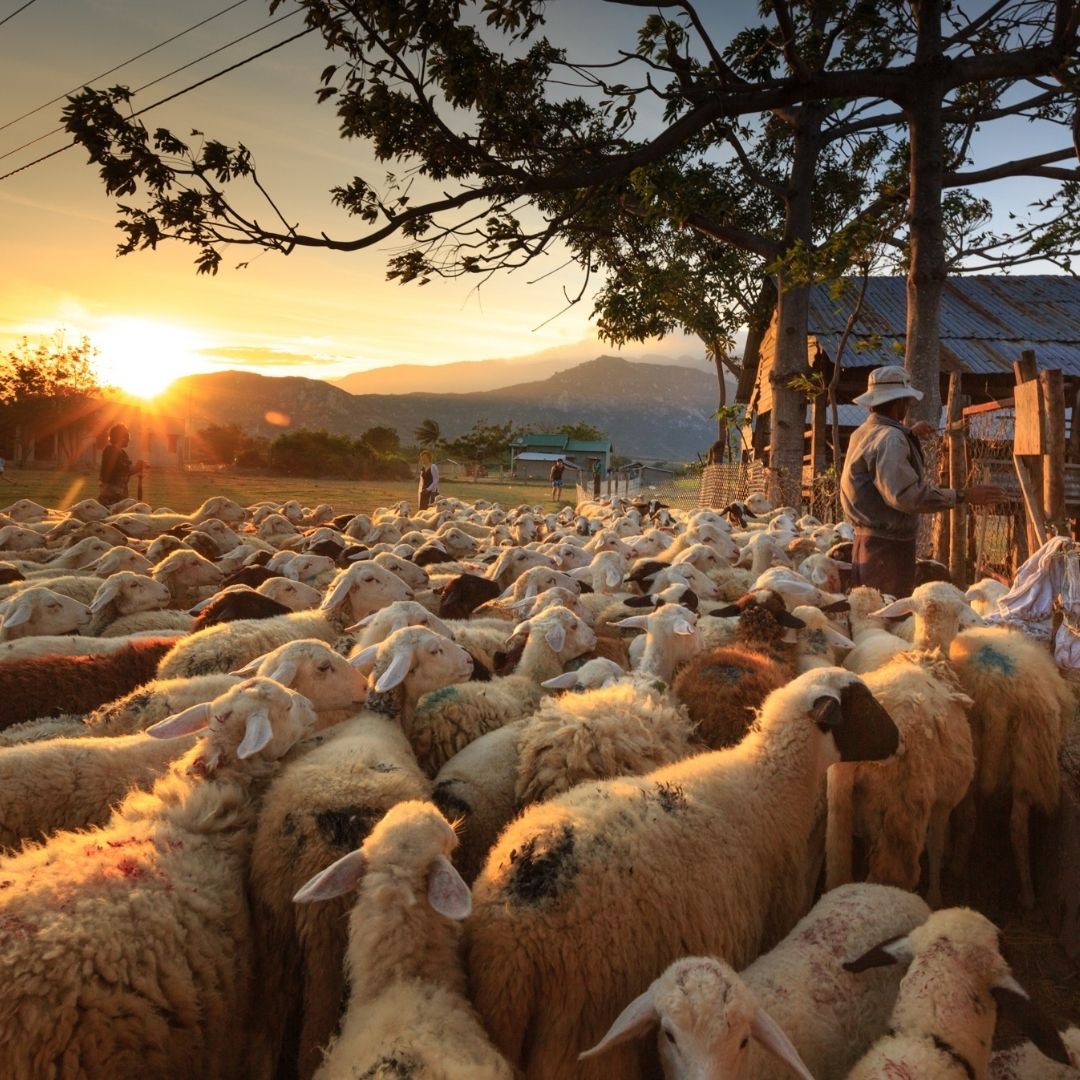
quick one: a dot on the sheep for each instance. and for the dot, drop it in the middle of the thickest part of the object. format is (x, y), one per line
(904, 803)
(29, 648)
(183, 573)
(818, 641)
(943, 1022)
(1025, 1061)
(805, 1011)
(37, 611)
(79, 587)
(513, 562)
(671, 640)
(984, 595)
(121, 558)
(358, 591)
(17, 538)
(407, 1003)
(26, 510)
(476, 788)
(51, 685)
(462, 595)
(742, 818)
(449, 718)
(153, 701)
(232, 604)
(133, 949)
(125, 593)
(1020, 707)
(150, 622)
(321, 806)
(604, 574)
(874, 644)
(625, 727)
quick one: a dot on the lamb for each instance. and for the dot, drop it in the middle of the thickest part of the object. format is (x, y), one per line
(156, 623)
(1026, 1062)
(184, 573)
(904, 803)
(706, 1013)
(37, 611)
(52, 685)
(943, 1021)
(874, 644)
(448, 719)
(407, 999)
(742, 818)
(163, 885)
(671, 640)
(322, 806)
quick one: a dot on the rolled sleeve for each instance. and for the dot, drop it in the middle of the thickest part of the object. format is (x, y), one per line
(899, 483)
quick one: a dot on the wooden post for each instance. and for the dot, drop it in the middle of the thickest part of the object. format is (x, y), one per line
(1074, 431)
(958, 571)
(1029, 445)
(939, 543)
(1053, 388)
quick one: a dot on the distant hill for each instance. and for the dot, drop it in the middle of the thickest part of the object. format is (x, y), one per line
(649, 410)
(472, 376)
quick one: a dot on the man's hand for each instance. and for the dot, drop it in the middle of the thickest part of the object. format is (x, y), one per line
(922, 429)
(980, 494)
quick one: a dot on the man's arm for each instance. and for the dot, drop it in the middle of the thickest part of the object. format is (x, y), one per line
(899, 484)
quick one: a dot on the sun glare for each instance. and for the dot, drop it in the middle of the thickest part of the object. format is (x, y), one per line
(142, 357)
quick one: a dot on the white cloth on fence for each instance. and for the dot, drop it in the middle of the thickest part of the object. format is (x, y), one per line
(1051, 575)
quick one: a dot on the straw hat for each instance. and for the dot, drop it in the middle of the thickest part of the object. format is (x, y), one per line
(887, 384)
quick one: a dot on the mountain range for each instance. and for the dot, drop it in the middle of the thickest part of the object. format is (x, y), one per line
(653, 411)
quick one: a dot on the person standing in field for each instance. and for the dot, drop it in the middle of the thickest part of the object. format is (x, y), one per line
(883, 487)
(429, 480)
(116, 467)
(557, 471)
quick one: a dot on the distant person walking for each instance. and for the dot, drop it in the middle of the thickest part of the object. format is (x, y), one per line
(557, 471)
(117, 467)
(597, 476)
(429, 481)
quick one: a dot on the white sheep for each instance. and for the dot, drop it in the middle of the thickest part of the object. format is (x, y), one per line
(125, 593)
(407, 1002)
(805, 1011)
(321, 806)
(293, 594)
(943, 1022)
(875, 645)
(709, 855)
(984, 595)
(131, 933)
(671, 639)
(819, 643)
(40, 611)
(184, 573)
(1025, 1061)
(121, 558)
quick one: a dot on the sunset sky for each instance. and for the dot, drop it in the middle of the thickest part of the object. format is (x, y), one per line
(319, 314)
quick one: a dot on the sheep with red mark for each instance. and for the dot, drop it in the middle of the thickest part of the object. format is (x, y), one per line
(163, 884)
(54, 685)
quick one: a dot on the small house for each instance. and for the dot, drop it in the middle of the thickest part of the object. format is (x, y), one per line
(548, 446)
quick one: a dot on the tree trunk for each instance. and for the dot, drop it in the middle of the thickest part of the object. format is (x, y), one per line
(765, 306)
(927, 272)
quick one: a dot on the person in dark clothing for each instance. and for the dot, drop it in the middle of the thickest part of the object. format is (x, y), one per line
(597, 476)
(428, 490)
(884, 487)
(116, 467)
(557, 471)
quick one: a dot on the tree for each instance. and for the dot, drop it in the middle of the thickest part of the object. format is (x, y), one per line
(496, 164)
(318, 453)
(582, 432)
(224, 441)
(383, 440)
(481, 444)
(428, 435)
(45, 390)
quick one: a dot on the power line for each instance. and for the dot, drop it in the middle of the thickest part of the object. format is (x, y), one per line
(138, 56)
(171, 97)
(8, 18)
(167, 75)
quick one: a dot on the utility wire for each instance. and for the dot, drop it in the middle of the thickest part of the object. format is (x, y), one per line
(8, 18)
(171, 97)
(167, 75)
(139, 56)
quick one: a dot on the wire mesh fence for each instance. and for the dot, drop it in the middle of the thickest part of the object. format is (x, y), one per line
(996, 534)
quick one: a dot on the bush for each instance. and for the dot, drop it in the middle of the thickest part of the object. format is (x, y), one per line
(318, 454)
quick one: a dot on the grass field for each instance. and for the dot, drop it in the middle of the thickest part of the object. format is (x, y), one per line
(183, 491)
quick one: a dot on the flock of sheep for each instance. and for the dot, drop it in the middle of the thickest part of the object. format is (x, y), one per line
(478, 793)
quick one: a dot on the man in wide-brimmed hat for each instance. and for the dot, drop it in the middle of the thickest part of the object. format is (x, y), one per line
(884, 485)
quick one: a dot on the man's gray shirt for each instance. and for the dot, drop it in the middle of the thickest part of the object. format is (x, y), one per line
(884, 485)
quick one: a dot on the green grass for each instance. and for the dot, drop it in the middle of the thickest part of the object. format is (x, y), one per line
(183, 491)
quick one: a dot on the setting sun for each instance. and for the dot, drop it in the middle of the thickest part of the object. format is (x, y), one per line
(142, 357)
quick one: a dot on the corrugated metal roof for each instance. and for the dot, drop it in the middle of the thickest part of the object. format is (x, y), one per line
(986, 321)
(585, 445)
(535, 438)
(535, 455)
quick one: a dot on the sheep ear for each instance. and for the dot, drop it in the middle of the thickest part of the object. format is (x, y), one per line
(682, 627)
(17, 615)
(1013, 1000)
(834, 637)
(182, 723)
(827, 712)
(250, 667)
(394, 675)
(837, 606)
(337, 596)
(640, 601)
(285, 673)
(339, 877)
(728, 612)
(257, 733)
(896, 950)
(564, 681)
(634, 622)
(105, 595)
(773, 1037)
(530, 589)
(635, 1020)
(556, 637)
(365, 621)
(896, 610)
(792, 622)
(446, 892)
(613, 578)
(364, 656)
